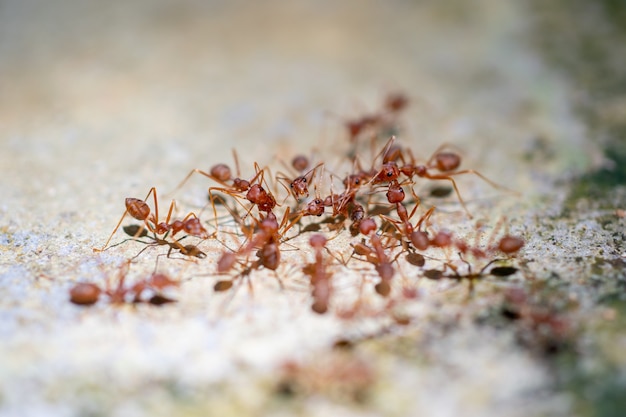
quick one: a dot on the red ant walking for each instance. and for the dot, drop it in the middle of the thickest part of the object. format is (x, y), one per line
(140, 210)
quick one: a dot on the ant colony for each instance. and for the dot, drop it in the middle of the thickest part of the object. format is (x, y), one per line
(370, 215)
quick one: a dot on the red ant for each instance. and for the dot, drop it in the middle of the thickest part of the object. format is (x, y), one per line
(498, 271)
(376, 255)
(252, 190)
(299, 187)
(395, 195)
(393, 104)
(267, 238)
(89, 293)
(320, 277)
(140, 210)
(508, 245)
(446, 163)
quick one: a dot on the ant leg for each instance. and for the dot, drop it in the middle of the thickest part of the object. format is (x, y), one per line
(456, 189)
(298, 217)
(281, 285)
(106, 244)
(487, 180)
(155, 219)
(201, 172)
(425, 217)
(386, 148)
(227, 192)
(438, 150)
(394, 222)
(169, 212)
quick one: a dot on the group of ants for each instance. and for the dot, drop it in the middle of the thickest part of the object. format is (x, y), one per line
(375, 203)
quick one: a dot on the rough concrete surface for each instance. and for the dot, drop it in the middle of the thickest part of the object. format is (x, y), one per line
(100, 101)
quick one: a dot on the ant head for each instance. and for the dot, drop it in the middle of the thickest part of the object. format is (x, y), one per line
(352, 181)
(358, 212)
(354, 127)
(300, 187)
(255, 193)
(241, 185)
(389, 172)
(315, 207)
(383, 288)
(395, 193)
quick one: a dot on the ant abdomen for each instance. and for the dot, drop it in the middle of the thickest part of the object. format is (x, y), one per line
(137, 208)
(221, 172)
(447, 161)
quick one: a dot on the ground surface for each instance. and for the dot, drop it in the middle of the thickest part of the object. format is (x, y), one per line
(101, 101)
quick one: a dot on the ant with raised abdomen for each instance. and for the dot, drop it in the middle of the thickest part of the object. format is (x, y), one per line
(140, 210)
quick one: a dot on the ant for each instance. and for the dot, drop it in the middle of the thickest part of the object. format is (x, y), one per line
(498, 271)
(140, 210)
(446, 163)
(380, 121)
(252, 190)
(320, 277)
(299, 186)
(376, 255)
(395, 195)
(508, 244)
(267, 238)
(88, 293)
